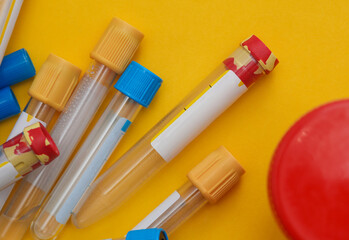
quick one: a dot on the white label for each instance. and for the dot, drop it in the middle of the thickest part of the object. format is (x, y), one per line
(157, 212)
(8, 174)
(198, 116)
(23, 121)
(91, 172)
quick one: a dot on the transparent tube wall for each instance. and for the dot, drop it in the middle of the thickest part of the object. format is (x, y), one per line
(85, 166)
(66, 133)
(124, 177)
(181, 205)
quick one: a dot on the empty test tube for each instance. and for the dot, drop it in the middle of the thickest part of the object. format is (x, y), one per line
(209, 181)
(174, 132)
(136, 88)
(145, 234)
(111, 56)
(25, 152)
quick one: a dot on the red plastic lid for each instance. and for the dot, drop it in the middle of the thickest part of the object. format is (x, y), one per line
(41, 143)
(309, 175)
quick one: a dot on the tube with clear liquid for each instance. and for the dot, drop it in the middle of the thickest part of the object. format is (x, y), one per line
(136, 88)
(50, 91)
(111, 56)
(173, 133)
(209, 181)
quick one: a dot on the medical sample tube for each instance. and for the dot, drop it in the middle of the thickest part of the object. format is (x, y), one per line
(49, 93)
(209, 181)
(173, 133)
(9, 11)
(111, 56)
(145, 234)
(25, 152)
(136, 88)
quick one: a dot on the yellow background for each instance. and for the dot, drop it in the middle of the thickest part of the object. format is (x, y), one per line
(184, 41)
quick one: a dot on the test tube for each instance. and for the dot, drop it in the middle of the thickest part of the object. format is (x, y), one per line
(145, 234)
(209, 181)
(9, 11)
(49, 93)
(174, 132)
(111, 56)
(25, 152)
(136, 88)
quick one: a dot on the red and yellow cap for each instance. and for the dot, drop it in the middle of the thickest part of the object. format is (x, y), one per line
(216, 174)
(252, 60)
(261, 53)
(41, 143)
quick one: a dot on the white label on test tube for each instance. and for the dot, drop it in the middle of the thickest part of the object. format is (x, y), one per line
(92, 170)
(198, 115)
(24, 121)
(8, 173)
(157, 212)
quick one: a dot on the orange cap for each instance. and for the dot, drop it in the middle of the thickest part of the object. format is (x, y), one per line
(216, 174)
(117, 46)
(55, 82)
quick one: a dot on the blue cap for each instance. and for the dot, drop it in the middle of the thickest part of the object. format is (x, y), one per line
(147, 234)
(15, 68)
(138, 83)
(8, 103)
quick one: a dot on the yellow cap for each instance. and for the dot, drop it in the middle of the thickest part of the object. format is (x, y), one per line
(216, 174)
(55, 82)
(117, 46)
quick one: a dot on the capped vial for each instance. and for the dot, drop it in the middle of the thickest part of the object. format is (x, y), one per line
(174, 132)
(25, 152)
(136, 88)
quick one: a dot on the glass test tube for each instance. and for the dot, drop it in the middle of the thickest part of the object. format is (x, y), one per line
(136, 88)
(209, 181)
(49, 93)
(145, 234)
(112, 54)
(173, 133)
(25, 152)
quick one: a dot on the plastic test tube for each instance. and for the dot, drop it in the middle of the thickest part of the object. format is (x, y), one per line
(173, 133)
(209, 181)
(49, 93)
(23, 153)
(112, 54)
(145, 234)
(136, 88)
(9, 10)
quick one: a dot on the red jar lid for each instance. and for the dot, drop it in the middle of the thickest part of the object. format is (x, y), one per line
(309, 175)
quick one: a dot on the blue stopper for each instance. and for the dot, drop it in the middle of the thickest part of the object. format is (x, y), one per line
(8, 103)
(147, 234)
(15, 68)
(138, 83)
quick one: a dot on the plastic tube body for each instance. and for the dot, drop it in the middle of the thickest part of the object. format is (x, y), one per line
(85, 166)
(176, 209)
(35, 111)
(9, 10)
(67, 131)
(166, 139)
